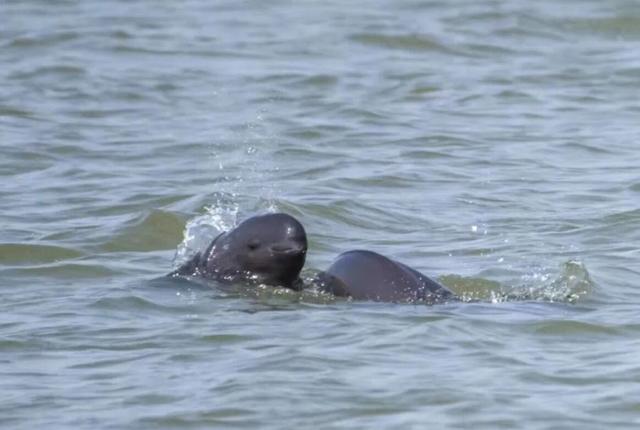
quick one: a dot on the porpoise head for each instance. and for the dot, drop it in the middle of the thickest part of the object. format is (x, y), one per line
(268, 249)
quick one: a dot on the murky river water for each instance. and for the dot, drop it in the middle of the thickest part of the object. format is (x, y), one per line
(491, 144)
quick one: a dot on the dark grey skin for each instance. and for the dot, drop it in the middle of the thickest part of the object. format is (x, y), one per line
(267, 249)
(366, 275)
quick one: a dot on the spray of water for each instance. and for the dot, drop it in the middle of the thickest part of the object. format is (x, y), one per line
(241, 166)
(568, 284)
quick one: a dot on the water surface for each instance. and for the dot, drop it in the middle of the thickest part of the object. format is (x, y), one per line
(490, 144)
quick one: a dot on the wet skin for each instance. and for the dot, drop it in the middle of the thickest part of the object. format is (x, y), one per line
(366, 275)
(267, 249)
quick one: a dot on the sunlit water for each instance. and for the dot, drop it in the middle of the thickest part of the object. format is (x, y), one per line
(490, 144)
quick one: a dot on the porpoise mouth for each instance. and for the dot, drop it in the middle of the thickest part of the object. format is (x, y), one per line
(288, 249)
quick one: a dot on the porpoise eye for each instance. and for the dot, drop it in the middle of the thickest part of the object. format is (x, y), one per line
(254, 244)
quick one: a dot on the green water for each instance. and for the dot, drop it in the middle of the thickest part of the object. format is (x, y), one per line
(490, 144)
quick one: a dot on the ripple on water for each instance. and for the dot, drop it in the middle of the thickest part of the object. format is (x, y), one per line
(24, 254)
(60, 72)
(153, 231)
(42, 40)
(218, 417)
(16, 112)
(616, 27)
(410, 42)
(134, 303)
(63, 271)
(574, 329)
(15, 345)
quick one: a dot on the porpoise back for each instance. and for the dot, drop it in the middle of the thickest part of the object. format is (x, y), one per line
(367, 275)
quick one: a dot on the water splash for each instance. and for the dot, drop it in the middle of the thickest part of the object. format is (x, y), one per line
(569, 285)
(245, 169)
(202, 229)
